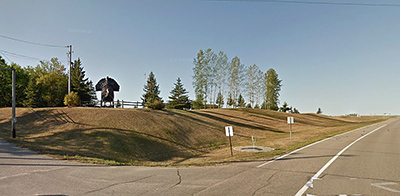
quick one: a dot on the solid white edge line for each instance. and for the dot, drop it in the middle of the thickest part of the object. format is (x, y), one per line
(305, 187)
(309, 145)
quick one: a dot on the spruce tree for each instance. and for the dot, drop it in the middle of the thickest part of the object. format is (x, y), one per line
(273, 86)
(220, 99)
(230, 101)
(151, 98)
(179, 98)
(285, 107)
(79, 83)
(241, 102)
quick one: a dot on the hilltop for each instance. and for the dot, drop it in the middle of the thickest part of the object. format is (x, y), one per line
(171, 137)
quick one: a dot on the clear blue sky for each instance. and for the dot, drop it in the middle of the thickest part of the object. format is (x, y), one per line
(342, 58)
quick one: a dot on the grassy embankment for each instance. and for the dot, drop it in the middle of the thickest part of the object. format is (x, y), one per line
(172, 137)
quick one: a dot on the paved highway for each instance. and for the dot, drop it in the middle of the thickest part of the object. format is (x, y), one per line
(363, 162)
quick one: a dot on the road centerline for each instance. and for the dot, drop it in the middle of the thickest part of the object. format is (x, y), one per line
(305, 187)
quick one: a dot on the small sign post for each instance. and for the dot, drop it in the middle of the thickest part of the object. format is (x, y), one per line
(229, 133)
(290, 121)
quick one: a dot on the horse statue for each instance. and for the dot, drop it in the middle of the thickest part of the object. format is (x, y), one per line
(107, 86)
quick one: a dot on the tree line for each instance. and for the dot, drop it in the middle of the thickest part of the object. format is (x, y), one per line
(217, 79)
(217, 82)
(44, 85)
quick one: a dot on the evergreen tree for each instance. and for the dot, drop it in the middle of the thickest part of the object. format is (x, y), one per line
(79, 83)
(273, 86)
(230, 100)
(198, 103)
(220, 99)
(319, 111)
(285, 107)
(179, 97)
(296, 111)
(241, 102)
(151, 98)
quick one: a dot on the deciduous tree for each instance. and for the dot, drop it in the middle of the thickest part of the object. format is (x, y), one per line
(236, 72)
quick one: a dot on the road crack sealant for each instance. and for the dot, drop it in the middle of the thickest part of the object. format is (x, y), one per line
(255, 192)
(180, 179)
(118, 183)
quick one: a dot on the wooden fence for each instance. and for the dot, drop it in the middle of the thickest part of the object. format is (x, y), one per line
(123, 104)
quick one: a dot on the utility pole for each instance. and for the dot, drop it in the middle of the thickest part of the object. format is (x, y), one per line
(13, 119)
(69, 71)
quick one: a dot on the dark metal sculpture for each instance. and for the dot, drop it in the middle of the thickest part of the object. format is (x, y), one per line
(107, 86)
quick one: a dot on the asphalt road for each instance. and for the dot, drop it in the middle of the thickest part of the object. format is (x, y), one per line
(362, 162)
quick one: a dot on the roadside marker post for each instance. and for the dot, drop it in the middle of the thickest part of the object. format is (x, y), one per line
(229, 133)
(290, 121)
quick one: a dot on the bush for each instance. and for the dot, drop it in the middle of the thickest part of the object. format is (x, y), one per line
(156, 105)
(72, 99)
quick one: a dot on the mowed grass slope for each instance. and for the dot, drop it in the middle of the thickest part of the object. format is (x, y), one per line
(171, 137)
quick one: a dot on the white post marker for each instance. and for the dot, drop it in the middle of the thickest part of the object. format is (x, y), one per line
(290, 121)
(229, 133)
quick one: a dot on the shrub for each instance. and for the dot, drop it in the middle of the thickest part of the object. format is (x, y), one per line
(72, 99)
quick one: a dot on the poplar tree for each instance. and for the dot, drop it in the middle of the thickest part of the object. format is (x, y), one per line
(251, 83)
(220, 100)
(260, 88)
(200, 78)
(236, 71)
(273, 87)
(210, 73)
(221, 68)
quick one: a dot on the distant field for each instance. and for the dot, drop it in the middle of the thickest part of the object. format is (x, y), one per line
(171, 137)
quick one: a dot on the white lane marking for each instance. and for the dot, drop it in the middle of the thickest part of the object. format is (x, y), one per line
(381, 185)
(285, 155)
(305, 187)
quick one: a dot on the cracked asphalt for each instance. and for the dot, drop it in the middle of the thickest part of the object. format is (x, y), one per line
(23, 172)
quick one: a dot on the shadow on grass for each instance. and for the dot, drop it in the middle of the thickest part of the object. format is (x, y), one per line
(122, 145)
(235, 123)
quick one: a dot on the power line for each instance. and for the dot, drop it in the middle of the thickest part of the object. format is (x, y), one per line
(19, 55)
(318, 3)
(34, 43)
(5, 56)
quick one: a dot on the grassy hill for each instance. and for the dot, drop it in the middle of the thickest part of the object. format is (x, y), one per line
(172, 137)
